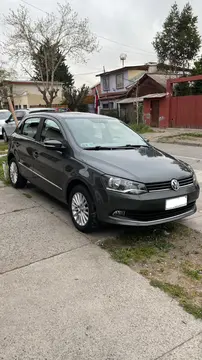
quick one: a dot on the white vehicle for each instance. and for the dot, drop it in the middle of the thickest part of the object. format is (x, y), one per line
(4, 115)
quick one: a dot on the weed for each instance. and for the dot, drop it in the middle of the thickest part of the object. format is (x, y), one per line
(3, 147)
(141, 128)
(175, 291)
(192, 134)
(29, 196)
(2, 160)
(192, 309)
(144, 272)
(194, 274)
(129, 255)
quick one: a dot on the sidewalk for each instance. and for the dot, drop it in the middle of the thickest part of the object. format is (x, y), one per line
(64, 298)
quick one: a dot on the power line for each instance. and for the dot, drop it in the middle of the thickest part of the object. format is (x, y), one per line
(99, 36)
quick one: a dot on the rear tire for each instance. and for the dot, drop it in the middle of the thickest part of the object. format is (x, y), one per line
(16, 179)
(82, 209)
(5, 137)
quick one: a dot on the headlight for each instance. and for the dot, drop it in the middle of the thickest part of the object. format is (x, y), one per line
(195, 181)
(125, 186)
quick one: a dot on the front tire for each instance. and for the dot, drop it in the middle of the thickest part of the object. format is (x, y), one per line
(5, 137)
(16, 179)
(82, 209)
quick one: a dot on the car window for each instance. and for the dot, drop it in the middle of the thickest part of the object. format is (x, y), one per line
(50, 131)
(20, 114)
(30, 127)
(4, 115)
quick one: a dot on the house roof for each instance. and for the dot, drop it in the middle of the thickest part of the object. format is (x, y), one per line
(112, 95)
(154, 96)
(161, 68)
(136, 67)
(131, 100)
(162, 78)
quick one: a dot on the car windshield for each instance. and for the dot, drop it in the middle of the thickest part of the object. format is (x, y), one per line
(103, 132)
(4, 115)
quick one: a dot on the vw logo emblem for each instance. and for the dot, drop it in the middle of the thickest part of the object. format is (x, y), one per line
(175, 185)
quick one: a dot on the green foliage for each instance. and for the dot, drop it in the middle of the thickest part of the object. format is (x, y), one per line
(173, 290)
(179, 41)
(74, 97)
(109, 112)
(43, 68)
(2, 160)
(141, 128)
(197, 70)
(139, 253)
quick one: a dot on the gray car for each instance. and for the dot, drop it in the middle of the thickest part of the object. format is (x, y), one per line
(9, 126)
(102, 169)
(4, 115)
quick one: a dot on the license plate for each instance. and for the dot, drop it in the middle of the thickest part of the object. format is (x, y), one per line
(176, 203)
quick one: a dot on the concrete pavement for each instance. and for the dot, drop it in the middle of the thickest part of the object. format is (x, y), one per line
(64, 298)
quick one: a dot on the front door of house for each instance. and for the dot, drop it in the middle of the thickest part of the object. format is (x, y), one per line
(155, 113)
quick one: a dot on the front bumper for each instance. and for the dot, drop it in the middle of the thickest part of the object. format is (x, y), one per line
(146, 209)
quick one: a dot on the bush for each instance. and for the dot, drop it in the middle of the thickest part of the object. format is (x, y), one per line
(141, 128)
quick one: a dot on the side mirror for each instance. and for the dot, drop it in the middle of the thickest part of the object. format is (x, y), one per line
(7, 121)
(19, 118)
(53, 144)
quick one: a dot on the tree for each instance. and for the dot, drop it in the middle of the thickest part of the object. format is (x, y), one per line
(5, 89)
(197, 70)
(63, 30)
(179, 41)
(74, 97)
(62, 73)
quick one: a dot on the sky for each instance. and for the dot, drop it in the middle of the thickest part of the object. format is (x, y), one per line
(122, 26)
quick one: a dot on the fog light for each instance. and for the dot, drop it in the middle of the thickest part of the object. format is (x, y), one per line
(119, 213)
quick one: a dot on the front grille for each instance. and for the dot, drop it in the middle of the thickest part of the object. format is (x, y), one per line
(166, 185)
(158, 215)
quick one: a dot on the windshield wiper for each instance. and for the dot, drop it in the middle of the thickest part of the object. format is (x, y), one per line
(99, 148)
(131, 146)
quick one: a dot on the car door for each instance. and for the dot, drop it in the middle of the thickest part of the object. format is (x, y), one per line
(49, 163)
(24, 144)
(10, 125)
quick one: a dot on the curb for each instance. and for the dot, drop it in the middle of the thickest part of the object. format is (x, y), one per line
(180, 143)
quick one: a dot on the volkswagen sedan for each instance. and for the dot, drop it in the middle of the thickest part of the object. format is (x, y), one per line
(102, 169)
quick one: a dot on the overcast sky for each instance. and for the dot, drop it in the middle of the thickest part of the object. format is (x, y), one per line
(132, 23)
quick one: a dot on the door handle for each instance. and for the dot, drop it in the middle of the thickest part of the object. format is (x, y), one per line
(35, 154)
(17, 144)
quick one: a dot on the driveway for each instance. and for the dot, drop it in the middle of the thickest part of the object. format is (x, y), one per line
(63, 297)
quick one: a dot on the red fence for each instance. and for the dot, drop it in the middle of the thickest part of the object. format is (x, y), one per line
(186, 111)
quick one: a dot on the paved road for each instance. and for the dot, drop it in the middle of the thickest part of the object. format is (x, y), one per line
(63, 298)
(189, 154)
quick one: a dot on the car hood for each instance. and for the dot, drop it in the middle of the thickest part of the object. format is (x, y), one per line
(144, 164)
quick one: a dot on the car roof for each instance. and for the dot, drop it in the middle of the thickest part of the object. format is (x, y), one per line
(4, 110)
(77, 115)
(40, 109)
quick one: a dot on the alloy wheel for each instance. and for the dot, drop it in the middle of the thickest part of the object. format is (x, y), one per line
(13, 172)
(80, 209)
